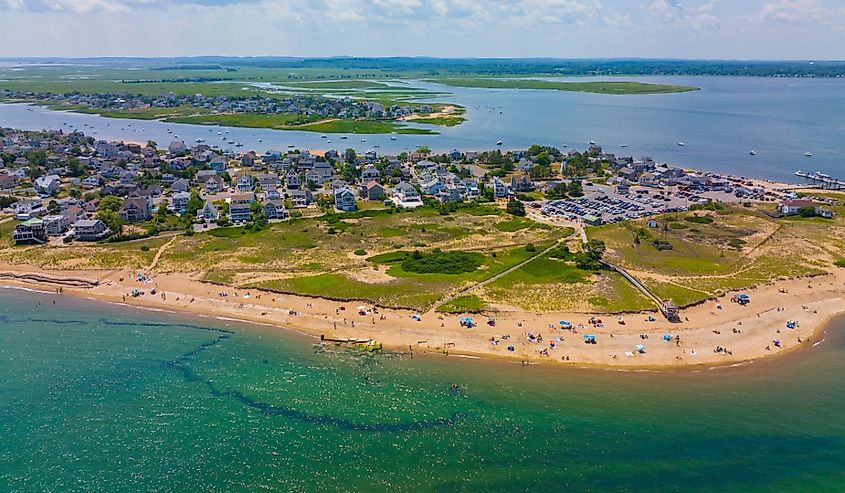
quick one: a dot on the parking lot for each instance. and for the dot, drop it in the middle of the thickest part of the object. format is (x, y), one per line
(604, 203)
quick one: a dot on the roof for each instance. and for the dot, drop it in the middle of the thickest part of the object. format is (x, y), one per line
(798, 203)
(87, 223)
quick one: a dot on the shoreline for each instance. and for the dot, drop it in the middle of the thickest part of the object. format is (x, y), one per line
(744, 332)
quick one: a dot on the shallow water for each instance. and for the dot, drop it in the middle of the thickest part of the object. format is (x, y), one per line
(99, 398)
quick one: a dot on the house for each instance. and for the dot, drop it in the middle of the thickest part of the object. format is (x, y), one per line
(135, 209)
(240, 207)
(370, 173)
(208, 212)
(218, 164)
(56, 224)
(648, 180)
(454, 155)
(244, 183)
(177, 148)
(47, 185)
(449, 194)
(373, 191)
(268, 180)
(344, 200)
(521, 183)
(179, 201)
(180, 185)
(500, 190)
(793, 208)
(432, 186)
(8, 181)
(622, 188)
(275, 209)
(405, 195)
(292, 181)
(91, 230)
(300, 198)
(214, 184)
(30, 231)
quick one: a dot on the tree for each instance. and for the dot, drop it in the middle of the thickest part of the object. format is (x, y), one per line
(515, 208)
(74, 167)
(195, 203)
(576, 189)
(152, 144)
(557, 191)
(808, 211)
(53, 207)
(350, 156)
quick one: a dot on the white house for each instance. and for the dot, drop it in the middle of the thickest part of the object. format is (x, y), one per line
(405, 195)
(47, 185)
(344, 200)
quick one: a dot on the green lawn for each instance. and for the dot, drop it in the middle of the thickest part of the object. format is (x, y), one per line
(463, 304)
(364, 127)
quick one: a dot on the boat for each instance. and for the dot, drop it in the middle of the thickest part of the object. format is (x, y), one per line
(393, 138)
(682, 144)
(624, 145)
(363, 140)
(342, 137)
(291, 146)
(324, 136)
(260, 140)
(808, 154)
(219, 133)
(499, 143)
(376, 146)
(239, 145)
(752, 152)
(328, 141)
(592, 142)
(230, 142)
(199, 141)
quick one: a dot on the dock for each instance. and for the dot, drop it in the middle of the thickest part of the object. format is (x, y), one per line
(818, 178)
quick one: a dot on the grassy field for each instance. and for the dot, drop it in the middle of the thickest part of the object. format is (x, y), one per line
(606, 87)
(364, 127)
(446, 121)
(727, 250)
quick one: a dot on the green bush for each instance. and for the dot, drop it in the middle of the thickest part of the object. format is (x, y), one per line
(705, 219)
(442, 262)
(530, 248)
(736, 243)
(360, 252)
(840, 263)
(678, 226)
(145, 248)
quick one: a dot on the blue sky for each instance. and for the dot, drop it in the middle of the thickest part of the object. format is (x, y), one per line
(731, 29)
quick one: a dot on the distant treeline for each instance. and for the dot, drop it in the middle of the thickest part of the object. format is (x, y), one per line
(180, 79)
(483, 66)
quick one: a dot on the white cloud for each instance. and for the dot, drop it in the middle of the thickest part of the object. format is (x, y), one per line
(798, 12)
(671, 12)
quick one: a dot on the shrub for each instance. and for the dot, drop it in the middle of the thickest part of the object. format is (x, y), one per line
(442, 262)
(705, 219)
(530, 248)
(736, 243)
(678, 226)
(145, 248)
(840, 263)
(515, 208)
(360, 252)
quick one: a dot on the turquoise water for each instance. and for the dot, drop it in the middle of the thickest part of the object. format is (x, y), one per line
(99, 398)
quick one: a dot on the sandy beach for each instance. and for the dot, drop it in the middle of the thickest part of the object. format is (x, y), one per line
(714, 333)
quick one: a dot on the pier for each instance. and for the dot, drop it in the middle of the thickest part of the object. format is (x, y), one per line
(819, 178)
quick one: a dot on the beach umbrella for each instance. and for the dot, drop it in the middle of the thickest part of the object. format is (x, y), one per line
(640, 348)
(564, 323)
(667, 337)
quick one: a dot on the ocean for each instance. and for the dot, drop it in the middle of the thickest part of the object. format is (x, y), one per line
(779, 118)
(97, 397)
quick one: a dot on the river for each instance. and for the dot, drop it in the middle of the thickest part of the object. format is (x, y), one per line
(779, 118)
